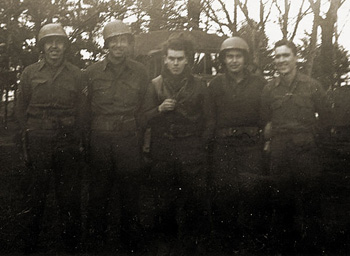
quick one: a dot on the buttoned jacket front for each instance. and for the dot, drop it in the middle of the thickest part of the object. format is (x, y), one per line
(50, 100)
(192, 113)
(294, 107)
(236, 104)
(115, 95)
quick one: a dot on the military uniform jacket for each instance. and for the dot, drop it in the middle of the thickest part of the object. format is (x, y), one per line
(293, 108)
(50, 101)
(191, 115)
(236, 104)
(116, 95)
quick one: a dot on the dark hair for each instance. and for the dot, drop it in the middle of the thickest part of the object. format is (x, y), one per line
(179, 43)
(287, 43)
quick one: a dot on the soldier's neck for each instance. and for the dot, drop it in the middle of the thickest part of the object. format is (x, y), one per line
(115, 61)
(289, 77)
(237, 76)
(54, 63)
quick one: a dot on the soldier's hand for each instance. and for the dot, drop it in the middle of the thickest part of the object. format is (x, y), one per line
(167, 105)
(268, 131)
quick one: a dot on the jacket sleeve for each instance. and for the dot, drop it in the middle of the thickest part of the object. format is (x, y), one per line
(322, 107)
(82, 105)
(210, 112)
(265, 107)
(150, 105)
(23, 99)
(143, 85)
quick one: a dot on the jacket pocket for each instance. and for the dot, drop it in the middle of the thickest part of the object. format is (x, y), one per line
(102, 91)
(276, 104)
(304, 139)
(131, 93)
(67, 94)
(304, 109)
(41, 92)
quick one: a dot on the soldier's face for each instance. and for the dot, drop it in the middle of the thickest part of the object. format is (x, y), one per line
(285, 60)
(54, 48)
(118, 46)
(175, 61)
(234, 61)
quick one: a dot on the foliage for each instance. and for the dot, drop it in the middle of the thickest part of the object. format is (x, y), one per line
(340, 62)
(259, 42)
(21, 20)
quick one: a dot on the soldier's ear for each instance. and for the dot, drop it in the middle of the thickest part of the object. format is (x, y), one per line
(186, 58)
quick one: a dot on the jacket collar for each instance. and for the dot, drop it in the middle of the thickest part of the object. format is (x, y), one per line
(297, 78)
(230, 77)
(43, 63)
(106, 63)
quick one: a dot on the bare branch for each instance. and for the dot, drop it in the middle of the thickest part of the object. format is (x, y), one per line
(268, 14)
(342, 28)
(315, 6)
(300, 16)
(278, 7)
(225, 11)
(341, 3)
(212, 14)
(244, 9)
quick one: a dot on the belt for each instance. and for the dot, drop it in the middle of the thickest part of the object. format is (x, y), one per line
(340, 129)
(117, 125)
(181, 131)
(292, 130)
(51, 124)
(171, 136)
(240, 131)
(341, 132)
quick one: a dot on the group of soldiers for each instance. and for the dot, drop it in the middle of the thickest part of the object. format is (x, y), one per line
(210, 182)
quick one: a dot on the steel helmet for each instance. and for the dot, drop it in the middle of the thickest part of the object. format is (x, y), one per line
(52, 29)
(234, 43)
(115, 28)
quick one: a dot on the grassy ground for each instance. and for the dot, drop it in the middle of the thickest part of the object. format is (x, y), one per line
(335, 220)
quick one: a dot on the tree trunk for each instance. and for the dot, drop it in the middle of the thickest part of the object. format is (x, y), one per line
(155, 13)
(193, 13)
(313, 39)
(327, 50)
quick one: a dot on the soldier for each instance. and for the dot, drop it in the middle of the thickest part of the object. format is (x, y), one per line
(116, 90)
(237, 149)
(178, 114)
(49, 103)
(289, 106)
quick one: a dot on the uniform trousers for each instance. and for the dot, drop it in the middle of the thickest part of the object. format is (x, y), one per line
(54, 158)
(238, 190)
(114, 182)
(179, 181)
(295, 172)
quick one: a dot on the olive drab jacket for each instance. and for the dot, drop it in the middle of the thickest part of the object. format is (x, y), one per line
(237, 104)
(293, 108)
(115, 95)
(50, 101)
(192, 114)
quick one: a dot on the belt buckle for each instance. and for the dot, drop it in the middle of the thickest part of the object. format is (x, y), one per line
(232, 131)
(117, 125)
(171, 128)
(170, 136)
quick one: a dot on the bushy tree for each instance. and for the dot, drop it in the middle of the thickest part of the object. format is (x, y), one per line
(340, 63)
(258, 43)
